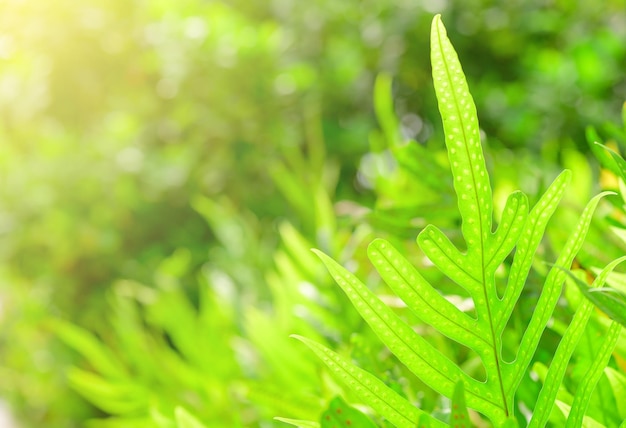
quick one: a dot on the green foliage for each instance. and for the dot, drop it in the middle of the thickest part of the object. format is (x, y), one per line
(611, 301)
(166, 168)
(459, 417)
(474, 269)
(608, 157)
(371, 390)
(340, 414)
(299, 423)
(161, 332)
(585, 389)
(420, 185)
(563, 353)
(185, 420)
(151, 378)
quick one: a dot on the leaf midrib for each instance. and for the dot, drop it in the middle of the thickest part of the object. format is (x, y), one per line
(356, 379)
(480, 226)
(408, 346)
(434, 308)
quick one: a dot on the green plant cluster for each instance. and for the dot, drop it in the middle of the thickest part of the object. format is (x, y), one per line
(166, 169)
(491, 391)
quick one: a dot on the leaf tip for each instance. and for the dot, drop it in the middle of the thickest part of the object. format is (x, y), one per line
(606, 193)
(437, 24)
(375, 244)
(328, 261)
(317, 252)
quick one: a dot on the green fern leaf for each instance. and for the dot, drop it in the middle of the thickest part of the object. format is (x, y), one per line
(299, 423)
(370, 389)
(340, 414)
(617, 381)
(471, 181)
(586, 387)
(422, 298)
(513, 372)
(527, 245)
(459, 417)
(617, 159)
(556, 372)
(472, 267)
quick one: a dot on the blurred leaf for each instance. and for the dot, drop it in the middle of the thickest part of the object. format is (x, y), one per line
(299, 423)
(174, 266)
(609, 300)
(617, 381)
(299, 248)
(123, 422)
(599, 150)
(408, 219)
(84, 342)
(184, 419)
(592, 376)
(383, 106)
(619, 161)
(588, 422)
(459, 417)
(424, 165)
(340, 414)
(118, 398)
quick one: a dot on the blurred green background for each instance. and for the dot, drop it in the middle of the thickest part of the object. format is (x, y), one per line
(166, 165)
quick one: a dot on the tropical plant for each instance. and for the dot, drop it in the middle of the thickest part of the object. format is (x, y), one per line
(473, 267)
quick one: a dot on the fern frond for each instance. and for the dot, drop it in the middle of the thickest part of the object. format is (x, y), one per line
(472, 268)
(379, 396)
(566, 347)
(583, 394)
